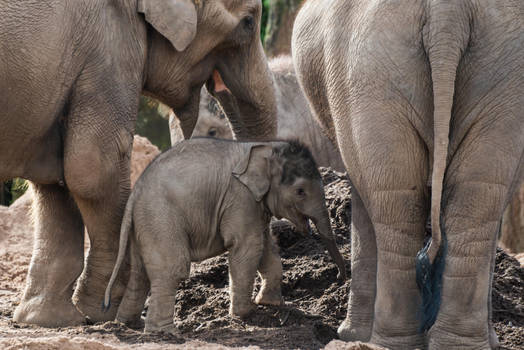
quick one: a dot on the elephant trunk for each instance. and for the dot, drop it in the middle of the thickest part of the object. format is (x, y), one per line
(446, 36)
(324, 228)
(253, 111)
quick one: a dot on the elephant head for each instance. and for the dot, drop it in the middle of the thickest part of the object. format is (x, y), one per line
(191, 42)
(212, 121)
(285, 176)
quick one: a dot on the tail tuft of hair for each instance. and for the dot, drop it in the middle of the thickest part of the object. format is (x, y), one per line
(429, 282)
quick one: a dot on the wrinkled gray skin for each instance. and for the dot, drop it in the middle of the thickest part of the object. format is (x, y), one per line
(212, 121)
(294, 117)
(418, 93)
(71, 74)
(222, 202)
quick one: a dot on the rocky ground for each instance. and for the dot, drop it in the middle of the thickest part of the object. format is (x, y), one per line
(315, 302)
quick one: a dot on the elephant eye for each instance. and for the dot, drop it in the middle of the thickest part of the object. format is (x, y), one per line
(212, 132)
(249, 23)
(301, 192)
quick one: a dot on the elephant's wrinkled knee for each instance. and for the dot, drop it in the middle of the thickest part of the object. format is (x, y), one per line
(90, 172)
(85, 174)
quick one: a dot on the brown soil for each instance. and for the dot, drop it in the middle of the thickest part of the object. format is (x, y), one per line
(315, 303)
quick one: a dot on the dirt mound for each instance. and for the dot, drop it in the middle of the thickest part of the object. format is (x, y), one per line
(143, 153)
(520, 258)
(315, 303)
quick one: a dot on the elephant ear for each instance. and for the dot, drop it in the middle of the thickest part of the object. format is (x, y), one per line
(176, 20)
(253, 170)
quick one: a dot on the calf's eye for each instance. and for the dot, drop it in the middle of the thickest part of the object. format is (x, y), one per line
(212, 132)
(301, 192)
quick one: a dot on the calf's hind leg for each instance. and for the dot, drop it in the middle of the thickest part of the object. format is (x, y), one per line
(132, 304)
(166, 267)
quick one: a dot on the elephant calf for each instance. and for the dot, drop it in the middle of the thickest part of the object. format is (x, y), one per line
(206, 196)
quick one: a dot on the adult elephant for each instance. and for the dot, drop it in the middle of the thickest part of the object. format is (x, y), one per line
(71, 74)
(420, 93)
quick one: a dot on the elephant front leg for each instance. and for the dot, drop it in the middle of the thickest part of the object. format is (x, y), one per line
(244, 259)
(56, 263)
(270, 270)
(359, 319)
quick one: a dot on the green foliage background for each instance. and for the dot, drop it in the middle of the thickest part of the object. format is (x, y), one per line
(150, 123)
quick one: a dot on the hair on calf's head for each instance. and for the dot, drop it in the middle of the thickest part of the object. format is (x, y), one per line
(298, 162)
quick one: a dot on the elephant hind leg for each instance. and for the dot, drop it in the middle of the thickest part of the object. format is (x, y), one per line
(56, 263)
(399, 218)
(98, 177)
(97, 147)
(166, 267)
(130, 309)
(394, 193)
(474, 200)
(361, 304)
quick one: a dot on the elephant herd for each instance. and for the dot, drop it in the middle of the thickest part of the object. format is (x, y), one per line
(422, 101)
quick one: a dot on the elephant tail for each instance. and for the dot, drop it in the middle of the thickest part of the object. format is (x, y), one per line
(446, 35)
(127, 226)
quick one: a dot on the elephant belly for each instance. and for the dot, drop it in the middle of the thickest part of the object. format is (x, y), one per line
(201, 251)
(33, 157)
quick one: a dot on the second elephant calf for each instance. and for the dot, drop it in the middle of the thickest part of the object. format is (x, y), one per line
(207, 196)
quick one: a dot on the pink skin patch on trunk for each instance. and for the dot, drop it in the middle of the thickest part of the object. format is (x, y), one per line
(219, 83)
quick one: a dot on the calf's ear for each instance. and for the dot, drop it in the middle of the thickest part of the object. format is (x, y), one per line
(253, 170)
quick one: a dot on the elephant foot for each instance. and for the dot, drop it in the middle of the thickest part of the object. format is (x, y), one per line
(131, 322)
(168, 328)
(402, 342)
(273, 298)
(48, 313)
(89, 294)
(91, 307)
(241, 310)
(347, 332)
(441, 338)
